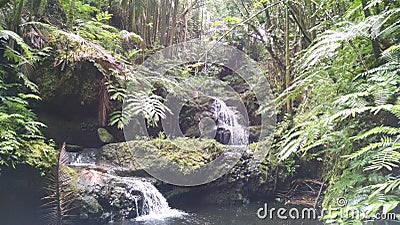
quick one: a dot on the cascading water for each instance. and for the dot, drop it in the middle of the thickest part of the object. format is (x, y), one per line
(150, 204)
(154, 205)
(86, 157)
(136, 205)
(228, 119)
(153, 201)
(137, 197)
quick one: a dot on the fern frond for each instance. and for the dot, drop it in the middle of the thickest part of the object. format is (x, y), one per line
(7, 34)
(389, 158)
(142, 103)
(392, 54)
(385, 187)
(380, 130)
(346, 113)
(289, 148)
(385, 142)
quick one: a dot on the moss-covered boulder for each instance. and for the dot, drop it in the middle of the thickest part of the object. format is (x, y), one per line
(117, 163)
(242, 183)
(188, 153)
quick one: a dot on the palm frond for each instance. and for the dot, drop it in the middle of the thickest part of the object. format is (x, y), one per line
(60, 193)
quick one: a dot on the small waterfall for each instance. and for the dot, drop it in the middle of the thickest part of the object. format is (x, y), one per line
(153, 201)
(229, 129)
(143, 197)
(154, 206)
(136, 206)
(86, 157)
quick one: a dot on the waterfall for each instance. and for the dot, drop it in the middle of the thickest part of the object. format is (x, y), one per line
(153, 201)
(136, 206)
(83, 158)
(147, 201)
(230, 128)
(154, 206)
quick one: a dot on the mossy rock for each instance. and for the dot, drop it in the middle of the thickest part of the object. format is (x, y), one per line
(77, 85)
(185, 152)
(104, 135)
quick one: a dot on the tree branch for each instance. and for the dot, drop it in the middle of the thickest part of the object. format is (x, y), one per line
(243, 22)
(302, 28)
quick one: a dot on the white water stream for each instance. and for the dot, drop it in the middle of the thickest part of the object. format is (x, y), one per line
(230, 119)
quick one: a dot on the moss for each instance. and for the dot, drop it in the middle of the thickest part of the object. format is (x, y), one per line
(81, 81)
(188, 153)
(48, 83)
(52, 82)
(104, 135)
(251, 103)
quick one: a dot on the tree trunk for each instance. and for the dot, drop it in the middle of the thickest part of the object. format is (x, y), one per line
(287, 57)
(173, 26)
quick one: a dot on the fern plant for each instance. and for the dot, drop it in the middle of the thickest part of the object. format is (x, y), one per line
(349, 114)
(21, 140)
(92, 43)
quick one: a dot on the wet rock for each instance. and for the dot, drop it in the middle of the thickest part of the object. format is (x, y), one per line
(90, 208)
(107, 192)
(242, 184)
(73, 148)
(105, 197)
(254, 133)
(223, 136)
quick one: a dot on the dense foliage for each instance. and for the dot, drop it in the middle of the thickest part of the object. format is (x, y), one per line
(334, 66)
(349, 111)
(20, 138)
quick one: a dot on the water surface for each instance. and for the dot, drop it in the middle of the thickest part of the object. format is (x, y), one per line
(245, 214)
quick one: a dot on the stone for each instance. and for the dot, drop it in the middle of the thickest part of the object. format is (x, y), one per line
(91, 205)
(106, 192)
(104, 135)
(102, 195)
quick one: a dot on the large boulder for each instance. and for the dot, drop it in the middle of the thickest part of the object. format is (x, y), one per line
(107, 186)
(104, 197)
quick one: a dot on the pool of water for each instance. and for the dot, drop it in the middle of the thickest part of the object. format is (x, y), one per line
(245, 214)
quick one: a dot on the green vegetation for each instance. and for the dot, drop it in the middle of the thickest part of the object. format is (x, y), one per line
(333, 66)
(20, 138)
(188, 153)
(349, 114)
